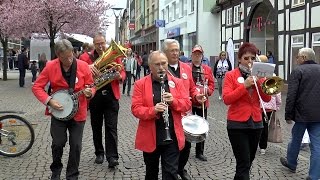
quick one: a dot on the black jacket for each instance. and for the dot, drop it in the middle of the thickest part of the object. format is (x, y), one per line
(303, 98)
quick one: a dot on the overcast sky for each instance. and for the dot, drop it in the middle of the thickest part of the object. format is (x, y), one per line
(111, 29)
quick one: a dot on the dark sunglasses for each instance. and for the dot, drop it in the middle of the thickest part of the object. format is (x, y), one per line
(253, 58)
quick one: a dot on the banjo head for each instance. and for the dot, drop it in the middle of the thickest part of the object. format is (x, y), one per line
(68, 104)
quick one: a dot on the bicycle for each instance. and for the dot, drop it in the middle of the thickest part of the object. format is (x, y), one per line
(16, 134)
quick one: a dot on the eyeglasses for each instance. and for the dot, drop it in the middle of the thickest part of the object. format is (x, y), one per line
(253, 58)
(174, 51)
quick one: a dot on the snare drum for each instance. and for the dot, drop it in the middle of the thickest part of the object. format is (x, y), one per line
(195, 128)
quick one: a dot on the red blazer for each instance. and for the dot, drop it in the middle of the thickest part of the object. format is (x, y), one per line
(52, 73)
(241, 104)
(206, 70)
(85, 57)
(142, 107)
(115, 83)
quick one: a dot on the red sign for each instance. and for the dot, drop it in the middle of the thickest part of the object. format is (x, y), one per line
(132, 26)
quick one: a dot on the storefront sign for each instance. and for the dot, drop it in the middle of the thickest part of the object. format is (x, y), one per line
(173, 32)
(132, 26)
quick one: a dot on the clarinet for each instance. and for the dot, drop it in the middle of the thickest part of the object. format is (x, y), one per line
(165, 114)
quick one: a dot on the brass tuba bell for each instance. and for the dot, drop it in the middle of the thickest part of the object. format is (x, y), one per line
(272, 85)
(106, 65)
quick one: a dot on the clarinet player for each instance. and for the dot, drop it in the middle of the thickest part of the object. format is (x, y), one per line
(154, 108)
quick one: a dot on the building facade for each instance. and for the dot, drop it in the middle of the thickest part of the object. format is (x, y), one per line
(190, 22)
(145, 37)
(279, 26)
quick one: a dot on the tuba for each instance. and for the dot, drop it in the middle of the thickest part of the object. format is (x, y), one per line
(106, 65)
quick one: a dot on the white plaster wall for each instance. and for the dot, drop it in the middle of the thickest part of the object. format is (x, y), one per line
(280, 71)
(297, 20)
(315, 12)
(280, 49)
(228, 33)
(287, 19)
(307, 18)
(223, 38)
(281, 22)
(280, 4)
(223, 16)
(287, 1)
(236, 33)
(287, 58)
(241, 30)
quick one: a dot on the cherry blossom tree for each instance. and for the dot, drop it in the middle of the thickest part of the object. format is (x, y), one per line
(68, 16)
(12, 25)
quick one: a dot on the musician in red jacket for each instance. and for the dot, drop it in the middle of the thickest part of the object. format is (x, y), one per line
(203, 78)
(104, 106)
(244, 119)
(148, 108)
(62, 73)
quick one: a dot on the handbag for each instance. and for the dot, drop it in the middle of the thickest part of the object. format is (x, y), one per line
(274, 132)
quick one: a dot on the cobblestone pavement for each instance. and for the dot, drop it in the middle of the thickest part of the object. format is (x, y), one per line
(220, 165)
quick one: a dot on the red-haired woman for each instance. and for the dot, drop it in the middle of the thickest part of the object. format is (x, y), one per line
(244, 120)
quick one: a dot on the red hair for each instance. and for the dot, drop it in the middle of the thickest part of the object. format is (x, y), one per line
(247, 48)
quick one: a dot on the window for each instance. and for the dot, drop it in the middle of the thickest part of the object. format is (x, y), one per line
(174, 11)
(192, 6)
(147, 18)
(316, 0)
(152, 18)
(297, 42)
(229, 16)
(181, 8)
(316, 45)
(236, 14)
(163, 15)
(167, 12)
(297, 3)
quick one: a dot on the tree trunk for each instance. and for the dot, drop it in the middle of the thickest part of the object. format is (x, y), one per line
(5, 60)
(53, 54)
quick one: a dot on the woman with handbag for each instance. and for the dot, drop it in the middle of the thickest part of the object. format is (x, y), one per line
(271, 107)
(244, 120)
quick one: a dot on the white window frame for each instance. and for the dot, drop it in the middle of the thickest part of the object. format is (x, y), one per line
(297, 3)
(236, 14)
(299, 44)
(167, 14)
(174, 11)
(229, 17)
(192, 6)
(315, 43)
(181, 8)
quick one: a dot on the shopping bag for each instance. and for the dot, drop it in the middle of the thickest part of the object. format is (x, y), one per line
(274, 132)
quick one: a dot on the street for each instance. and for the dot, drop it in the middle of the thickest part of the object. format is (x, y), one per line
(35, 164)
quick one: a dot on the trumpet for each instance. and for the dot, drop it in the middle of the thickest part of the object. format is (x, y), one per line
(165, 114)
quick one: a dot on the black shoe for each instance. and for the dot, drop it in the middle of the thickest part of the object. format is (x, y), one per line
(201, 157)
(284, 162)
(55, 176)
(128, 94)
(308, 178)
(99, 159)
(113, 162)
(184, 175)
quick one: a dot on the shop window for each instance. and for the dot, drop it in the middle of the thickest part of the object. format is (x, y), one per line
(229, 16)
(236, 14)
(316, 46)
(297, 3)
(297, 42)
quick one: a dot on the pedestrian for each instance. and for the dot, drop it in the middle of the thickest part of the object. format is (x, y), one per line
(34, 70)
(271, 107)
(244, 120)
(42, 62)
(86, 52)
(203, 78)
(183, 58)
(148, 108)
(270, 57)
(23, 64)
(104, 107)
(303, 99)
(171, 48)
(64, 73)
(145, 63)
(139, 64)
(130, 65)
(221, 67)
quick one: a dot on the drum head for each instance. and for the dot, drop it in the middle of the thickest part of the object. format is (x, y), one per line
(194, 124)
(64, 98)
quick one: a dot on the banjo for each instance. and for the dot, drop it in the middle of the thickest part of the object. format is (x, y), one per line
(70, 102)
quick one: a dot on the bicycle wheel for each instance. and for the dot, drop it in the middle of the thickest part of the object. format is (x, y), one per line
(16, 135)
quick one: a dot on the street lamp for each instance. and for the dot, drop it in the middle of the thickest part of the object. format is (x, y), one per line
(115, 10)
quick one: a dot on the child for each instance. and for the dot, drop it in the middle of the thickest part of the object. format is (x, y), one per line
(34, 70)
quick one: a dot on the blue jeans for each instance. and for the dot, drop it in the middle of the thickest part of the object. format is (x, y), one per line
(295, 143)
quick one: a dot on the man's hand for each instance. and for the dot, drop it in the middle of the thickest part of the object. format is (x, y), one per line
(95, 72)
(160, 107)
(201, 98)
(118, 76)
(168, 98)
(87, 92)
(55, 105)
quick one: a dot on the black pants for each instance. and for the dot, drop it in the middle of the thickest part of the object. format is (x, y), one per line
(126, 82)
(138, 72)
(263, 143)
(145, 70)
(34, 76)
(169, 162)
(22, 75)
(105, 108)
(199, 112)
(244, 144)
(58, 132)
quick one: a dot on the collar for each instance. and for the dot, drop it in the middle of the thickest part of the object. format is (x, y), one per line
(175, 66)
(309, 62)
